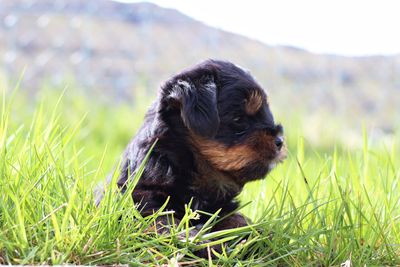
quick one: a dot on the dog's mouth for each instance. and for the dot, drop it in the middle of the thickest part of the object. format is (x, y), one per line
(261, 167)
(281, 155)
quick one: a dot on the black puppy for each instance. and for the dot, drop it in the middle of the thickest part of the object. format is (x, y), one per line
(215, 133)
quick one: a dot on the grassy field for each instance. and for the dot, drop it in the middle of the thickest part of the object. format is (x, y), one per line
(319, 208)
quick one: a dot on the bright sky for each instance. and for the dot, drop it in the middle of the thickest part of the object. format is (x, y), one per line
(348, 27)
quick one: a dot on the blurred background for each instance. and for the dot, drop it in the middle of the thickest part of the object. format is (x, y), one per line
(331, 69)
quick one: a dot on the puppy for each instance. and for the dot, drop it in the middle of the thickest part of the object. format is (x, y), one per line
(214, 132)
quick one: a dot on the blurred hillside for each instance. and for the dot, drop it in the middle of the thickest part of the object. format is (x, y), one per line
(113, 50)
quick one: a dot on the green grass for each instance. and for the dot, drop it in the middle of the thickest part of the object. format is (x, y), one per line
(318, 208)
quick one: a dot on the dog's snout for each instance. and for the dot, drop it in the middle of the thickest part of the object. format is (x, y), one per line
(279, 142)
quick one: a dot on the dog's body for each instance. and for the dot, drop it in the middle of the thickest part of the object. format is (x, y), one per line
(214, 133)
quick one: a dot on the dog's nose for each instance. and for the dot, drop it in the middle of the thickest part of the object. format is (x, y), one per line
(279, 142)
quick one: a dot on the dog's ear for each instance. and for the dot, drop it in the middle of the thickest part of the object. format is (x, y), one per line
(198, 103)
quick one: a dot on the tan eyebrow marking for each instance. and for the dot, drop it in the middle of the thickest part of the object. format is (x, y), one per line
(253, 103)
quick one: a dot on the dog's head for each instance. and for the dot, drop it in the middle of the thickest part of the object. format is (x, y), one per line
(227, 117)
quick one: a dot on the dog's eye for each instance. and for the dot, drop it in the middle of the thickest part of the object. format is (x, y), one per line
(239, 125)
(237, 119)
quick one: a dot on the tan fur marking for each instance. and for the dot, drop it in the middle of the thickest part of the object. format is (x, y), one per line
(258, 147)
(226, 158)
(254, 102)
